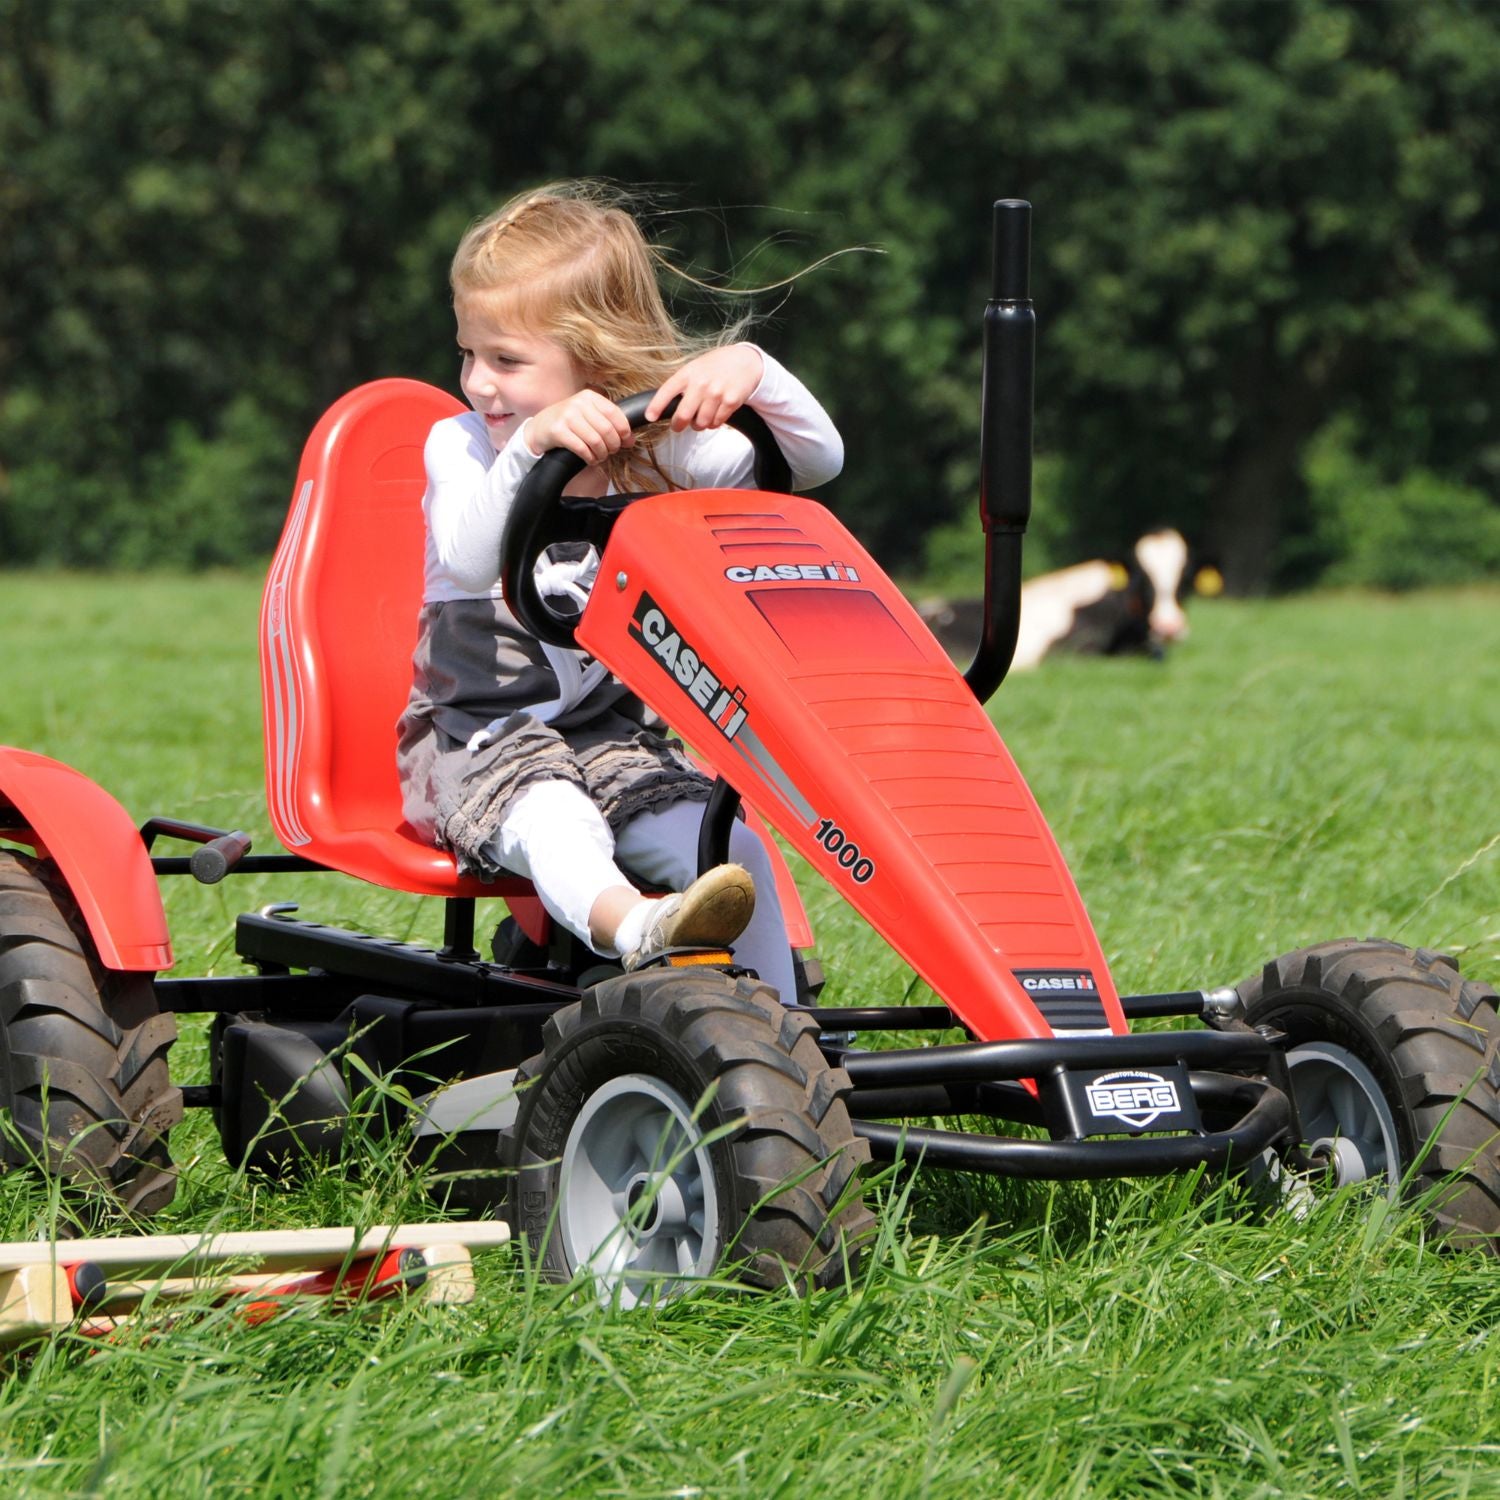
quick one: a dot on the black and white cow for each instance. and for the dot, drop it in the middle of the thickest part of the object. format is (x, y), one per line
(1094, 608)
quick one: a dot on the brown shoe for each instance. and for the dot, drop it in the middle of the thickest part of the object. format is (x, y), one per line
(711, 913)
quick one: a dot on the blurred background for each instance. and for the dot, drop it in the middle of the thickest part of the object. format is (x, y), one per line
(1266, 257)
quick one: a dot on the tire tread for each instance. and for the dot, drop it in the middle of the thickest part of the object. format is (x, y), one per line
(794, 1148)
(1432, 1036)
(89, 1039)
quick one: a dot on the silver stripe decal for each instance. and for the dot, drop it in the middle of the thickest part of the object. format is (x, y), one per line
(756, 753)
(282, 658)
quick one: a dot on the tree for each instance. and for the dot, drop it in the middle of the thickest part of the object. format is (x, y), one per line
(219, 218)
(1302, 233)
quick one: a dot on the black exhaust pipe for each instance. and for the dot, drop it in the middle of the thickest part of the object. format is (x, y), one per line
(1005, 441)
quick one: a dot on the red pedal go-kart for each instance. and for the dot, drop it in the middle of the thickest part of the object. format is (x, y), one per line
(667, 1121)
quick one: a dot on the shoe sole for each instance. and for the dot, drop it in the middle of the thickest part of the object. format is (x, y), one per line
(715, 915)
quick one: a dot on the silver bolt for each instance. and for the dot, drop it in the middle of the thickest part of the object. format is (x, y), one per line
(1222, 1005)
(620, 581)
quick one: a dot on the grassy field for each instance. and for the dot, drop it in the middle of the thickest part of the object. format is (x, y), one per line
(1299, 770)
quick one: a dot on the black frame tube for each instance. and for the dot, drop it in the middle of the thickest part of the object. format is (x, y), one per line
(252, 864)
(980, 1062)
(1266, 1118)
(940, 1018)
(718, 823)
(381, 965)
(1175, 1003)
(881, 1017)
(1011, 1102)
(179, 828)
(458, 931)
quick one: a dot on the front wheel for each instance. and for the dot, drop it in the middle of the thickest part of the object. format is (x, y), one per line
(1392, 1053)
(677, 1120)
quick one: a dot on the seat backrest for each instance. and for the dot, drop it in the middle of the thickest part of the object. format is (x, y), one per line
(338, 624)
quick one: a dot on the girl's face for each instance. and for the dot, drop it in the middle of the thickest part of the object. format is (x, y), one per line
(509, 375)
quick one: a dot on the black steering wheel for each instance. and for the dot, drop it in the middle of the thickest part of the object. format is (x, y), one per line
(541, 515)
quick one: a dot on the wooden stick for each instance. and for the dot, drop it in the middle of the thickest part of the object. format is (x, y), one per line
(33, 1299)
(446, 1262)
(450, 1274)
(45, 1286)
(270, 1250)
(447, 1278)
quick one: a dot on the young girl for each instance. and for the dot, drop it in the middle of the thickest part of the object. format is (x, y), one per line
(523, 757)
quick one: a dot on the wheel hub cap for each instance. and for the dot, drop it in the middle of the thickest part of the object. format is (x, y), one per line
(1345, 1115)
(638, 1206)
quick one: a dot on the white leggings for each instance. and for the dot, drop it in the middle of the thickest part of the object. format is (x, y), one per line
(555, 836)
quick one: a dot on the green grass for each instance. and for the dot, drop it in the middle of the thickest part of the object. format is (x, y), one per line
(1298, 770)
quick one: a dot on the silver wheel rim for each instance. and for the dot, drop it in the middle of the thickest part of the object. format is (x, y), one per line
(1345, 1114)
(638, 1207)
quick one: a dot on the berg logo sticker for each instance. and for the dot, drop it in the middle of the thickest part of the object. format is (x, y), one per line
(723, 707)
(1134, 1096)
(792, 573)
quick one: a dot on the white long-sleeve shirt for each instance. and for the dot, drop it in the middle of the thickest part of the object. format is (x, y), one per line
(470, 487)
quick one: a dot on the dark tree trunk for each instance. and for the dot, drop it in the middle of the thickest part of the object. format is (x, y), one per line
(1245, 525)
(1260, 476)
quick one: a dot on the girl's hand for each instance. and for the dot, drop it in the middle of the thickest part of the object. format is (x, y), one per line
(587, 424)
(713, 387)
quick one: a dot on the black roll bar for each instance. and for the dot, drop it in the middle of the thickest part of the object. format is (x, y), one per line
(1005, 441)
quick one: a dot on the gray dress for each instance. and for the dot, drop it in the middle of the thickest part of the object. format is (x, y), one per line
(474, 665)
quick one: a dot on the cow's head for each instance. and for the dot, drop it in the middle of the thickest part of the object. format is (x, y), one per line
(1163, 576)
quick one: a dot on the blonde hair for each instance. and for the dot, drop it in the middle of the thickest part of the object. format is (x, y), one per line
(569, 262)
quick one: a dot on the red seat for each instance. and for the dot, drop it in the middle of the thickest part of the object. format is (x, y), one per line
(338, 625)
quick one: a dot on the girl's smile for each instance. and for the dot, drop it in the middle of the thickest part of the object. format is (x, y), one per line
(510, 374)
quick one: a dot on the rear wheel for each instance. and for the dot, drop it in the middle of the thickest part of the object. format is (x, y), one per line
(83, 1050)
(680, 1119)
(1390, 1048)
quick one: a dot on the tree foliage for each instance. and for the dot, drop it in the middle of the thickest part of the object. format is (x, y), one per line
(1253, 222)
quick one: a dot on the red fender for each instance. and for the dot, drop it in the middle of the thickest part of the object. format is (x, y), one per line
(73, 821)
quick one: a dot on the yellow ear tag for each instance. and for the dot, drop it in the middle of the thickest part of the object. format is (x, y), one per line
(1119, 576)
(1209, 583)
